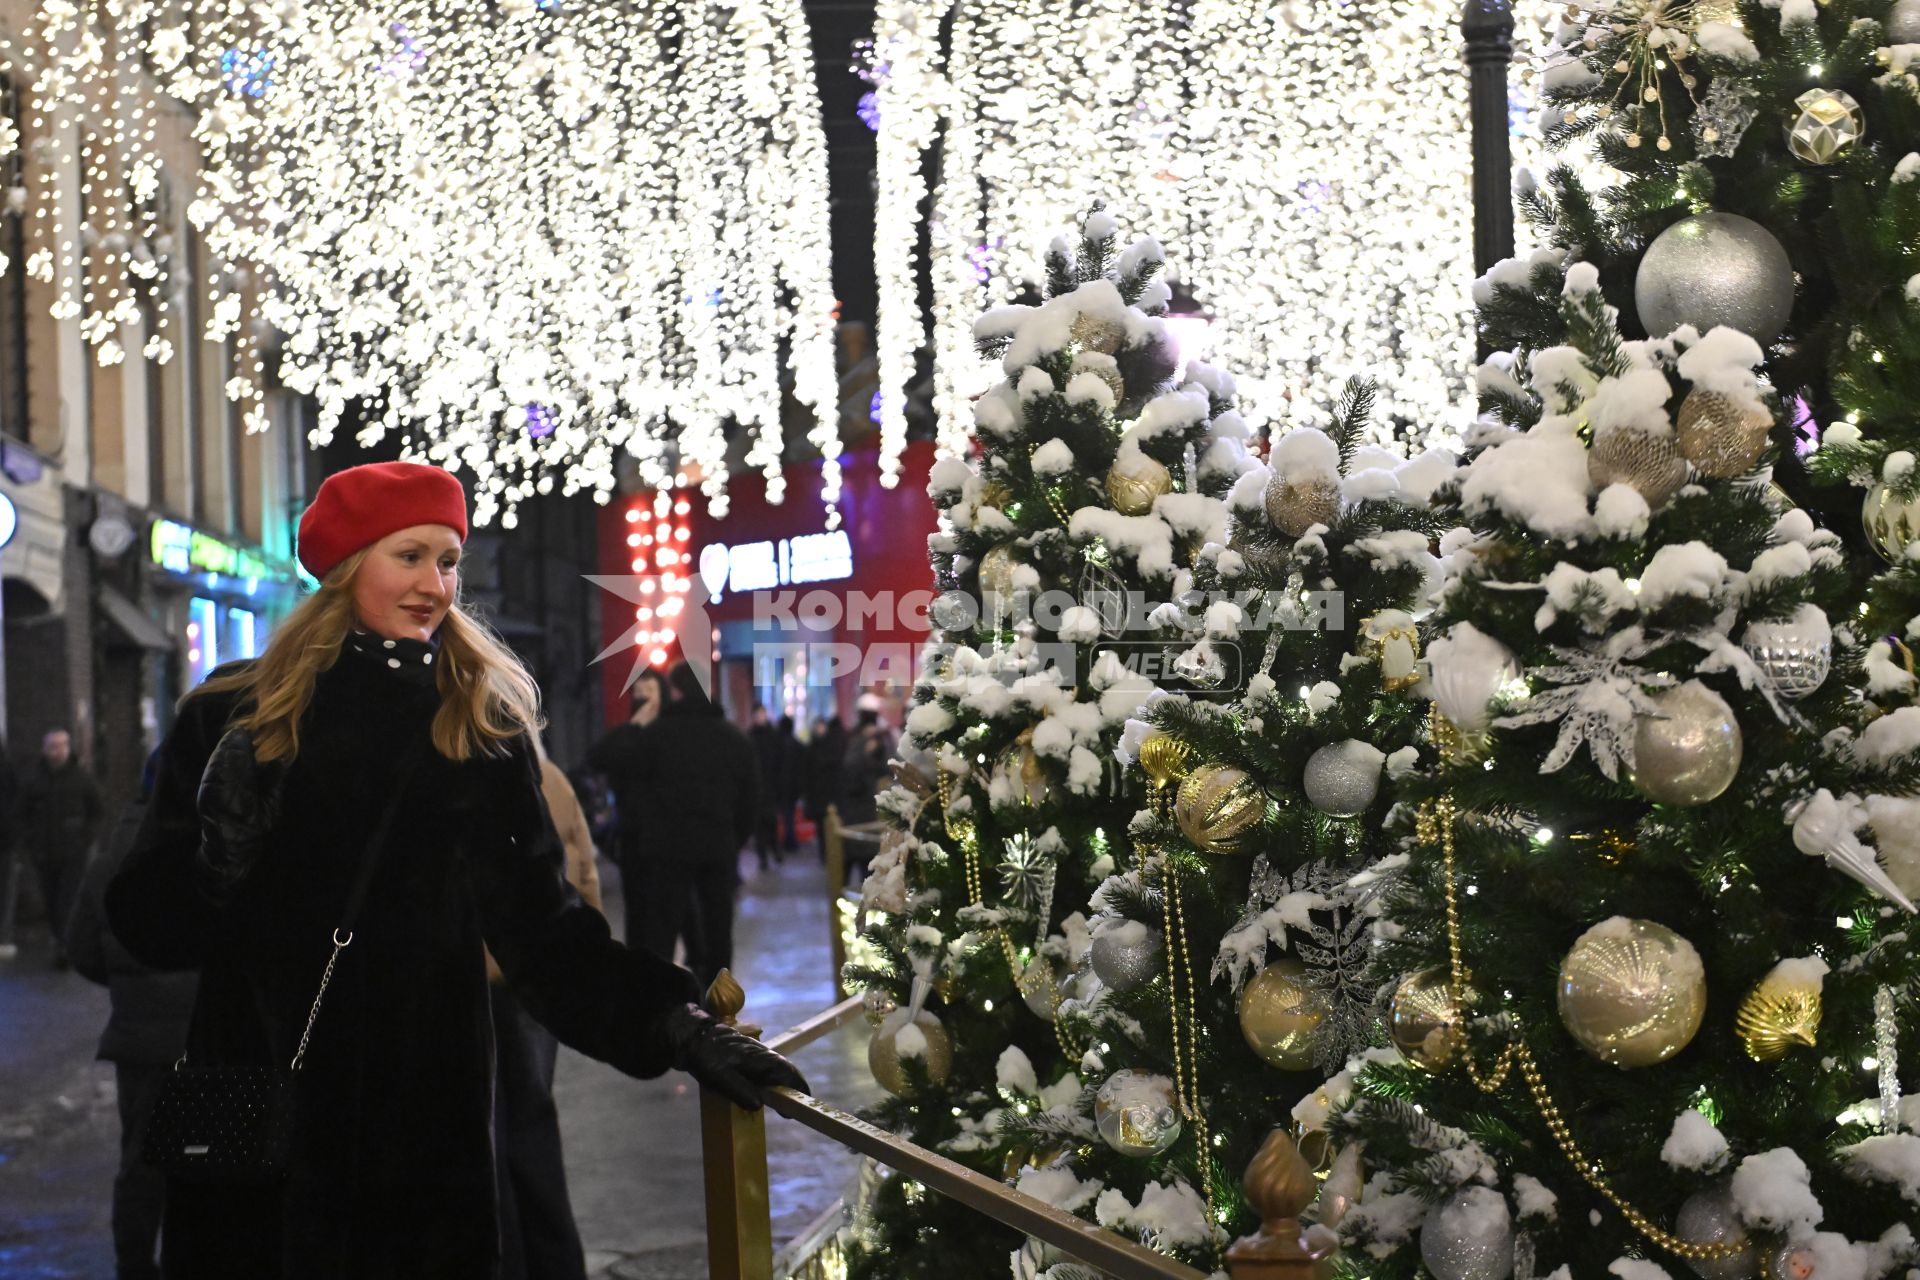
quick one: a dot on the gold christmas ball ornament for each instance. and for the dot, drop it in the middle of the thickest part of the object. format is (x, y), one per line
(1219, 808)
(1827, 125)
(997, 569)
(1782, 1010)
(1134, 481)
(1425, 1022)
(1689, 751)
(1295, 506)
(1104, 368)
(1648, 462)
(1892, 523)
(1720, 437)
(1135, 1114)
(907, 1036)
(1098, 333)
(1280, 1016)
(1165, 758)
(1632, 992)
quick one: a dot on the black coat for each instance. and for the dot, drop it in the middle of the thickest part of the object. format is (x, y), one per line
(687, 785)
(60, 811)
(393, 1173)
(150, 1008)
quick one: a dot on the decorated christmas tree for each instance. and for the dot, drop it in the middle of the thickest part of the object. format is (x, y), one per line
(1229, 954)
(1643, 960)
(1098, 478)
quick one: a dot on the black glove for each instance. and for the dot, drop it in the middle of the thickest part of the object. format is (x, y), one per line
(719, 1057)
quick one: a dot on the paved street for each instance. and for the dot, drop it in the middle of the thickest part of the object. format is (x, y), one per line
(633, 1147)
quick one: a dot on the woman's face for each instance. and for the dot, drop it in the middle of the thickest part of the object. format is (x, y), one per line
(407, 582)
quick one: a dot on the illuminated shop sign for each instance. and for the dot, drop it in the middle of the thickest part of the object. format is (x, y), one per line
(180, 549)
(811, 557)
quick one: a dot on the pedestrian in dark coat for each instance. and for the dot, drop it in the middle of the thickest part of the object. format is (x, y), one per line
(378, 684)
(694, 796)
(865, 768)
(770, 761)
(60, 812)
(791, 782)
(824, 753)
(613, 757)
(145, 1034)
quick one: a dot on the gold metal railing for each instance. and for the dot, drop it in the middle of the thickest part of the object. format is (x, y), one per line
(739, 1213)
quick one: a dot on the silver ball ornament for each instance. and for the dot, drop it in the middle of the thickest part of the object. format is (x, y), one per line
(1135, 1114)
(1796, 653)
(1468, 1236)
(1039, 986)
(1709, 1217)
(1126, 956)
(1713, 269)
(1688, 753)
(885, 1056)
(1903, 22)
(1892, 523)
(997, 569)
(1342, 778)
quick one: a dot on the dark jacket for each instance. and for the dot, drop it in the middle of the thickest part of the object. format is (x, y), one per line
(770, 756)
(150, 1008)
(825, 753)
(863, 772)
(687, 785)
(60, 811)
(393, 1173)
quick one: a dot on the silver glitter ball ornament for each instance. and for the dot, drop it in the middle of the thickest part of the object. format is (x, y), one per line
(1689, 752)
(1708, 1217)
(1135, 1114)
(1648, 462)
(1127, 955)
(1903, 22)
(1468, 1236)
(1342, 778)
(1713, 269)
(1796, 653)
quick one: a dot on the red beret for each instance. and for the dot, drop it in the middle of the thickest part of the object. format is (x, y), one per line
(357, 507)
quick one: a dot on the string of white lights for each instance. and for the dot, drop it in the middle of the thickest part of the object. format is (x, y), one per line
(524, 234)
(1308, 166)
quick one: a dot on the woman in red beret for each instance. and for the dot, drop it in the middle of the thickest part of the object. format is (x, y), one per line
(379, 752)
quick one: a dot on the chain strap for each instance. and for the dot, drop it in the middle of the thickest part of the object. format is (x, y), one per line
(1436, 823)
(339, 944)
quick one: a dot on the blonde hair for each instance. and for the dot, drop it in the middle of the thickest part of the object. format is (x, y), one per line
(487, 696)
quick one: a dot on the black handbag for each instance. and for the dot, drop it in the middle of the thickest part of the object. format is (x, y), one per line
(235, 1123)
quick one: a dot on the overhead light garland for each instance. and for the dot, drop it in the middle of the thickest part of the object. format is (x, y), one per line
(522, 235)
(1314, 159)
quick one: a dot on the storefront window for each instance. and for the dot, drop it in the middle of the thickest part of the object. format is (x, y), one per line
(241, 639)
(203, 639)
